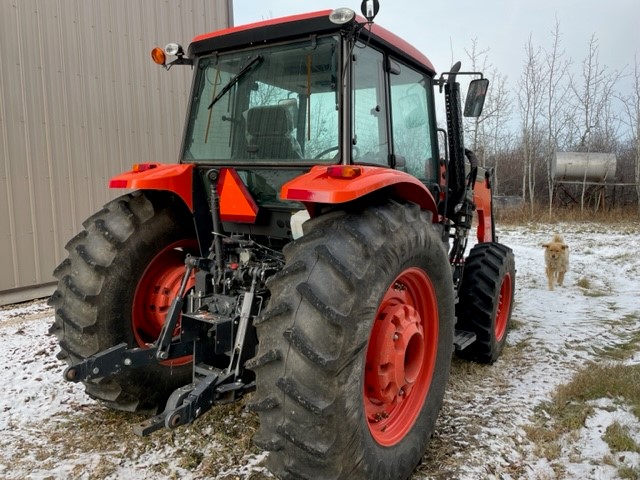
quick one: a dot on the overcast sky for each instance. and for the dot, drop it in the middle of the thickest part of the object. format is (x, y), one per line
(438, 28)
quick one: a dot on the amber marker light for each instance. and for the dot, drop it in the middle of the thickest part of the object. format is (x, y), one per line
(159, 56)
(143, 167)
(344, 171)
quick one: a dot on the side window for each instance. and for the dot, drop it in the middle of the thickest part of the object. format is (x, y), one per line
(411, 100)
(370, 130)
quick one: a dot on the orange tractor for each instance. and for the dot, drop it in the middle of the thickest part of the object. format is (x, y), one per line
(309, 247)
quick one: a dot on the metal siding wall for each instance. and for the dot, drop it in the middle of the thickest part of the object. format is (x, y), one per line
(80, 101)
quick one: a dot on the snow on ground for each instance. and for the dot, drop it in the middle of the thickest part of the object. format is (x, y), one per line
(51, 430)
(557, 333)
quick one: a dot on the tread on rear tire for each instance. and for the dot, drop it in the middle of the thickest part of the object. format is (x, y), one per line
(313, 362)
(97, 282)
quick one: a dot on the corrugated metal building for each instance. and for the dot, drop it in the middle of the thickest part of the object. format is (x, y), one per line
(80, 101)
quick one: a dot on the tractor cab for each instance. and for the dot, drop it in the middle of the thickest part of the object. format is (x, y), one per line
(275, 99)
(278, 98)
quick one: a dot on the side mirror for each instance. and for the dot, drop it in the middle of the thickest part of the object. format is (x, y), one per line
(475, 97)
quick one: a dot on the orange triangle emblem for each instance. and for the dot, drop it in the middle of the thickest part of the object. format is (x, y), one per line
(236, 202)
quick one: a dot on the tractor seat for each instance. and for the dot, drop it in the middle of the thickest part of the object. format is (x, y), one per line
(270, 133)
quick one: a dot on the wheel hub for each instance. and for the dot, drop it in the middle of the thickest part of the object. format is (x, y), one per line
(157, 287)
(159, 291)
(400, 346)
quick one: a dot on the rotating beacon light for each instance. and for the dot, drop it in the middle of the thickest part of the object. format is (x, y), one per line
(369, 9)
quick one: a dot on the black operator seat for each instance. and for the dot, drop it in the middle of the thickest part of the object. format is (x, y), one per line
(270, 130)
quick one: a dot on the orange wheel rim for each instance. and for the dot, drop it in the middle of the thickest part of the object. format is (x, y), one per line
(401, 357)
(156, 289)
(504, 307)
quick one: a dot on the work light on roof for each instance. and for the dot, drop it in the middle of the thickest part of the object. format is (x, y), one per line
(340, 16)
(174, 49)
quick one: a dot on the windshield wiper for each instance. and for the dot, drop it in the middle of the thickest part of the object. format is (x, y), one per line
(235, 79)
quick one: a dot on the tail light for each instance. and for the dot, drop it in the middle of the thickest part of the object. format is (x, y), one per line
(344, 171)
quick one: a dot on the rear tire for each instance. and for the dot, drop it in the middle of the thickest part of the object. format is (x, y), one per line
(364, 303)
(116, 285)
(486, 300)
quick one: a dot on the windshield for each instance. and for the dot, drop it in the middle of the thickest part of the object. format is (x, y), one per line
(268, 105)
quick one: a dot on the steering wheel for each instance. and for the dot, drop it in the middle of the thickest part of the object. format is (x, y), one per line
(325, 151)
(355, 151)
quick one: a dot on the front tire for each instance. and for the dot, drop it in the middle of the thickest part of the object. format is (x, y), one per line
(486, 300)
(116, 285)
(355, 346)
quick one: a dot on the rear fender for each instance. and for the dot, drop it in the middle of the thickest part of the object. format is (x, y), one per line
(176, 178)
(319, 187)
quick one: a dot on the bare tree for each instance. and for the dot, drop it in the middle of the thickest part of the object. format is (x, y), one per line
(489, 133)
(597, 121)
(473, 131)
(556, 102)
(497, 136)
(631, 105)
(531, 96)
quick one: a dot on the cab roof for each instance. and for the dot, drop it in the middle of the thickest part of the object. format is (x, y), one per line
(318, 23)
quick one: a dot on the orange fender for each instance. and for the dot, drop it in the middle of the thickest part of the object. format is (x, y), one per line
(343, 183)
(176, 178)
(482, 199)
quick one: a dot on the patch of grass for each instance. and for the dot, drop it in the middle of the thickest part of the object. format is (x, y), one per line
(599, 381)
(601, 219)
(631, 317)
(629, 473)
(190, 459)
(584, 283)
(215, 442)
(622, 351)
(515, 324)
(252, 476)
(103, 469)
(521, 345)
(570, 406)
(623, 257)
(466, 368)
(546, 441)
(595, 293)
(588, 289)
(619, 439)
